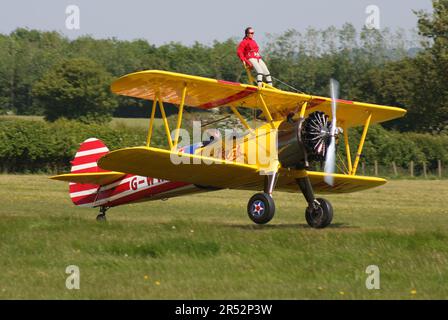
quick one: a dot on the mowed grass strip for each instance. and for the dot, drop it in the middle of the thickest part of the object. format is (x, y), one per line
(115, 123)
(205, 247)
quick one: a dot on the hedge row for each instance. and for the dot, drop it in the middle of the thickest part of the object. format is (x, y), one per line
(387, 146)
(37, 146)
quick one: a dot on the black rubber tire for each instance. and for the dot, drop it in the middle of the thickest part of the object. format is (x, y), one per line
(321, 217)
(101, 217)
(266, 206)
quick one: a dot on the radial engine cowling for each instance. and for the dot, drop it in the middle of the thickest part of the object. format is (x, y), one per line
(303, 141)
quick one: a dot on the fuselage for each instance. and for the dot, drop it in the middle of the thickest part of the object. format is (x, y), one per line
(130, 189)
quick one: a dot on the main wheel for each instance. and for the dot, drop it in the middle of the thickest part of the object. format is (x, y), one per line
(321, 216)
(261, 208)
(101, 217)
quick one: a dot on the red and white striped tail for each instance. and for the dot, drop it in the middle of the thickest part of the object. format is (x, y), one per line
(85, 160)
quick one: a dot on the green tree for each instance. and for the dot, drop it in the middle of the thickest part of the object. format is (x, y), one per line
(224, 62)
(76, 89)
(31, 53)
(432, 65)
(6, 75)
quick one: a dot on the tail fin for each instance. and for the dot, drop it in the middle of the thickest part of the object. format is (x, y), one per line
(87, 156)
(85, 161)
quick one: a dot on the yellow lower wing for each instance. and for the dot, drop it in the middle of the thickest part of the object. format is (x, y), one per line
(158, 163)
(163, 164)
(342, 183)
(100, 178)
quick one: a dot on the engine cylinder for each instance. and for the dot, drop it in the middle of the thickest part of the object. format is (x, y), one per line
(291, 151)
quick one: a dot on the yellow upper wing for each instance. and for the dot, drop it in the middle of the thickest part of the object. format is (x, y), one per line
(208, 93)
(159, 163)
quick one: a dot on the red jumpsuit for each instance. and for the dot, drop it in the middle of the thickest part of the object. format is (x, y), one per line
(247, 49)
(248, 52)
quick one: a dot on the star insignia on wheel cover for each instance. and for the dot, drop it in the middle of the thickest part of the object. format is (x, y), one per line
(257, 207)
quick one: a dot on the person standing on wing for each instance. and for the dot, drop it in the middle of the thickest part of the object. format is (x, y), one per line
(249, 55)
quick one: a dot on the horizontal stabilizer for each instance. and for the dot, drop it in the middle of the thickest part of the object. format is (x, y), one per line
(99, 178)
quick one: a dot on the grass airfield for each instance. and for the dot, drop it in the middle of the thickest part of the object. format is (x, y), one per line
(205, 247)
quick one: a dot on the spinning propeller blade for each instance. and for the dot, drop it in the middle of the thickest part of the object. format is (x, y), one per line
(330, 158)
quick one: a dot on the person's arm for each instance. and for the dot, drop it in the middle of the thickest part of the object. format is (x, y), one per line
(240, 53)
(257, 49)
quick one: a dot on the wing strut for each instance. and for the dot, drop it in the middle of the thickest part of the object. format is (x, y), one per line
(165, 121)
(266, 112)
(361, 143)
(347, 149)
(179, 116)
(151, 121)
(240, 117)
(158, 99)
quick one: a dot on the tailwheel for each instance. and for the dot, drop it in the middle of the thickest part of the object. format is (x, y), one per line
(261, 208)
(320, 214)
(102, 216)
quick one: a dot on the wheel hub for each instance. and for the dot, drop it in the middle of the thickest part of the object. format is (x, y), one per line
(317, 213)
(257, 208)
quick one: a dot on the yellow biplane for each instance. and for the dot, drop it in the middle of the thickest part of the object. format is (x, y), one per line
(298, 133)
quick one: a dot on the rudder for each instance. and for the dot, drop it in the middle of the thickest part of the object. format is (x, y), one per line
(89, 152)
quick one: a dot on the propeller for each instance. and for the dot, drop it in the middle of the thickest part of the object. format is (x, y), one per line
(330, 157)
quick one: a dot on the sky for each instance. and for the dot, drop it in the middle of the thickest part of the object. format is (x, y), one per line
(188, 21)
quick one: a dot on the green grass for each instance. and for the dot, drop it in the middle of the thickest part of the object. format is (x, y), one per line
(32, 118)
(134, 122)
(205, 246)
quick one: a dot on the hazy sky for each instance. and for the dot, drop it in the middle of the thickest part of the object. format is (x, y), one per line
(185, 21)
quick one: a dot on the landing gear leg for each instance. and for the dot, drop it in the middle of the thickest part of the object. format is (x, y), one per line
(319, 213)
(269, 182)
(102, 216)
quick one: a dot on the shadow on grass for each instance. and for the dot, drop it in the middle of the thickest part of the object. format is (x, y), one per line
(288, 226)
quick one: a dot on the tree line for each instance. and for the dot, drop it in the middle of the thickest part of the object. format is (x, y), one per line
(47, 147)
(45, 73)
